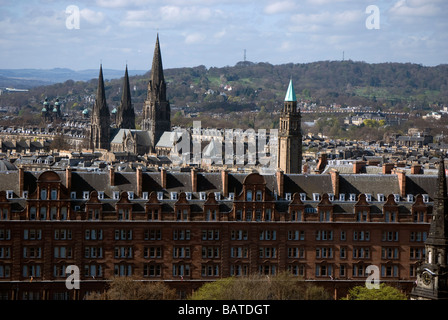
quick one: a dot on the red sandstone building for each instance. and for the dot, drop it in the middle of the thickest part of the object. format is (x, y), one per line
(187, 228)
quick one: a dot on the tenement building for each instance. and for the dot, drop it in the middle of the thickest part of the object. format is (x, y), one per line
(187, 228)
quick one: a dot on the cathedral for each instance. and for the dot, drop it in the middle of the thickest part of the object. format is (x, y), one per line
(125, 137)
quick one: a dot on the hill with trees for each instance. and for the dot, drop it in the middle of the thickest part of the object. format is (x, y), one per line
(250, 86)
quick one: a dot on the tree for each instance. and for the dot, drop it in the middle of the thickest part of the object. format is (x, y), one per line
(283, 286)
(385, 292)
(129, 288)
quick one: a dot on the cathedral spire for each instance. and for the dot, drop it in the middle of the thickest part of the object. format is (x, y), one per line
(126, 115)
(100, 120)
(438, 232)
(100, 103)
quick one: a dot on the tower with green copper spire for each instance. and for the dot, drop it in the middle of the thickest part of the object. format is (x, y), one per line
(290, 134)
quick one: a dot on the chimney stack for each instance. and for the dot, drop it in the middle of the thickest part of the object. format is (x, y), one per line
(401, 182)
(194, 180)
(163, 177)
(358, 166)
(335, 182)
(21, 180)
(387, 168)
(139, 181)
(68, 178)
(225, 182)
(416, 169)
(280, 182)
(112, 176)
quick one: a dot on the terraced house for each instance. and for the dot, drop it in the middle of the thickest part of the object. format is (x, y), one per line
(187, 228)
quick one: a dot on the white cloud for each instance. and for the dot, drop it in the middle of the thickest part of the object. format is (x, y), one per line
(193, 38)
(280, 7)
(415, 8)
(91, 16)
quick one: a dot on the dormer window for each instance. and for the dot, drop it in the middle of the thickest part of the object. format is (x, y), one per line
(342, 197)
(331, 197)
(425, 198)
(145, 195)
(188, 195)
(25, 195)
(410, 197)
(100, 195)
(303, 196)
(288, 196)
(116, 195)
(381, 197)
(160, 195)
(9, 194)
(131, 195)
(173, 195)
(396, 197)
(316, 196)
(231, 195)
(352, 197)
(368, 197)
(217, 196)
(73, 195)
(202, 195)
(85, 195)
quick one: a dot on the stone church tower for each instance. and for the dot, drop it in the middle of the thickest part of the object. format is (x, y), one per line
(156, 110)
(125, 113)
(432, 275)
(100, 121)
(290, 135)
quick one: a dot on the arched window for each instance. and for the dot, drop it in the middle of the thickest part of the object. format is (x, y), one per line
(249, 195)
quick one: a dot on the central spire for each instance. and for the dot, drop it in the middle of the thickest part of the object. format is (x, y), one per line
(157, 78)
(126, 115)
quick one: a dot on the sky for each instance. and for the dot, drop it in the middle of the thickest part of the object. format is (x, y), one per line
(45, 34)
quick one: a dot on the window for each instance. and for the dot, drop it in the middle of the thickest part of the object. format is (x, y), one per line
(124, 214)
(63, 213)
(239, 215)
(32, 234)
(296, 235)
(62, 234)
(368, 197)
(123, 234)
(238, 235)
(210, 234)
(9, 194)
(93, 270)
(390, 236)
(316, 196)
(267, 214)
(396, 197)
(425, 198)
(331, 197)
(181, 270)
(380, 197)
(202, 195)
(231, 195)
(145, 195)
(342, 197)
(188, 195)
(54, 194)
(159, 195)
(153, 234)
(181, 234)
(410, 198)
(389, 270)
(85, 195)
(5, 234)
(259, 195)
(267, 252)
(43, 213)
(152, 270)
(239, 252)
(217, 196)
(210, 270)
(268, 235)
(361, 235)
(361, 216)
(249, 195)
(100, 195)
(43, 194)
(152, 252)
(124, 252)
(323, 270)
(123, 270)
(324, 215)
(93, 234)
(73, 195)
(296, 215)
(173, 195)
(352, 197)
(53, 213)
(131, 195)
(324, 235)
(303, 196)
(296, 252)
(389, 253)
(116, 195)
(33, 212)
(419, 216)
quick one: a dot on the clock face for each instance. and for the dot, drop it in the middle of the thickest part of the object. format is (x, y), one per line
(426, 278)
